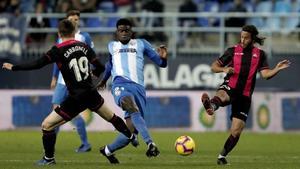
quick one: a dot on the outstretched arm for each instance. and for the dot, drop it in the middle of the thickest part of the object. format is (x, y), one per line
(269, 73)
(37, 64)
(162, 51)
(159, 57)
(7, 66)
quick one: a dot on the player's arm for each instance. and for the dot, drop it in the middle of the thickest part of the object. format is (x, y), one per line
(36, 64)
(88, 40)
(107, 74)
(55, 73)
(269, 73)
(219, 65)
(159, 57)
(98, 66)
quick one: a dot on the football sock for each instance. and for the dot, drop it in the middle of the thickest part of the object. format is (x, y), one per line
(48, 159)
(56, 130)
(220, 156)
(229, 145)
(80, 126)
(49, 139)
(140, 124)
(107, 151)
(216, 102)
(120, 142)
(119, 124)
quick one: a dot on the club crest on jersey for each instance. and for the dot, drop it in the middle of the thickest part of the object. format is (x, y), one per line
(118, 90)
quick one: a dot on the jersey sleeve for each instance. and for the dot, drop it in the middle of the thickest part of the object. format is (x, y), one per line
(88, 40)
(263, 61)
(108, 68)
(226, 58)
(153, 55)
(46, 59)
(55, 71)
(98, 66)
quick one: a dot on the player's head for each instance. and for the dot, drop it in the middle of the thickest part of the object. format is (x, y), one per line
(124, 30)
(249, 35)
(66, 29)
(74, 16)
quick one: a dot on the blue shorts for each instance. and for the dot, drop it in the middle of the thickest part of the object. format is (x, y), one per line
(60, 94)
(134, 90)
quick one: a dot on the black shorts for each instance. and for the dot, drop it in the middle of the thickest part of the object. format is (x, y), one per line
(240, 104)
(73, 105)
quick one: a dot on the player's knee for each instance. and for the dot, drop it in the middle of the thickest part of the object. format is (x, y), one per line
(128, 104)
(46, 126)
(236, 132)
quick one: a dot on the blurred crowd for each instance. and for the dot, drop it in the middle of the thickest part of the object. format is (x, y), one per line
(18, 7)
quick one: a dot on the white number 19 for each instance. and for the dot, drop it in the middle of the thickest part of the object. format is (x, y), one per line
(80, 67)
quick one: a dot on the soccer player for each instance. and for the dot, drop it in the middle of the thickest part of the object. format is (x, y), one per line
(61, 91)
(72, 58)
(240, 63)
(126, 66)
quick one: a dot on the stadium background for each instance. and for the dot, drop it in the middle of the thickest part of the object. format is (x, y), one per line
(195, 36)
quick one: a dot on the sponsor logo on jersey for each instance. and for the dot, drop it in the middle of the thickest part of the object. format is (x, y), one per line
(238, 53)
(127, 50)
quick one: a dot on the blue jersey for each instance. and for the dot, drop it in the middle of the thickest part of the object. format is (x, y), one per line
(127, 61)
(80, 36)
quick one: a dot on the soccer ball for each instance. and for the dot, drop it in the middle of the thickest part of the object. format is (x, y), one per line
(184, 145)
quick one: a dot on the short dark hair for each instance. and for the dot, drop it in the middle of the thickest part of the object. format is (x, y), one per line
(73, 12)
(254, 34)
(66, 28)
(123, 21)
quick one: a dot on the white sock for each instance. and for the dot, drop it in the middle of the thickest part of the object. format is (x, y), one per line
(220, 156)
(150, 144)
(107, 152)
(48, 158)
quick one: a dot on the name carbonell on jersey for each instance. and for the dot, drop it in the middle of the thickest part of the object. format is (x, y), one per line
(74, 49)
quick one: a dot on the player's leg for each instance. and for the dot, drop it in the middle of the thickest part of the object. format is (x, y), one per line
(133, 130)
(129, 105)
(98, 105)
(240, 109)
(81, 130)
(236, 129)
(134, 102)
(59, 95)
(120, 142)
(69, 109)
(222, 98)
(52, 121)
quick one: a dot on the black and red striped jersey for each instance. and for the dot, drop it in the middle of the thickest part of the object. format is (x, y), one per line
(246, 63)
(73, 58)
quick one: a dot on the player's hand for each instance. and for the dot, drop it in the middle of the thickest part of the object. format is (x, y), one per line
(283, 64)
(162, 51)
(7, 66)
(53, 83)
(101, 85)
(229, 70)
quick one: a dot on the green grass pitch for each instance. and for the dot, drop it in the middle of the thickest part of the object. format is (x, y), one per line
(22, 148)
